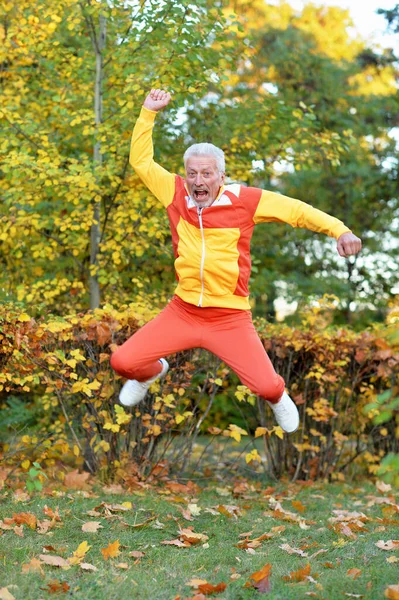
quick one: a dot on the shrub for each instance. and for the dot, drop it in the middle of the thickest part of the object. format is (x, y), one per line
(60, 368)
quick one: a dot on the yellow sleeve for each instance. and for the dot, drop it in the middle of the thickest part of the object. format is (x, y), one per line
(159, 181)
(276, 207)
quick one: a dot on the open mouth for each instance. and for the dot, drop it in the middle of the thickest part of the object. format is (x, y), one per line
(201, 195)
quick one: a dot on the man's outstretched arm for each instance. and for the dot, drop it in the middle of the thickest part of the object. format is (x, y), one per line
(159, 181)
(276, 207)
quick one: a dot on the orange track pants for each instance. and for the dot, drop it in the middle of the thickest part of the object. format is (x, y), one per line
(228, 333)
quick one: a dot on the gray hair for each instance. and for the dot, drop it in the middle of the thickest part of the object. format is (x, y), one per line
(206, 149)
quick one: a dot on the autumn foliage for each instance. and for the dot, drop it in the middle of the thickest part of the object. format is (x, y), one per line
(60, 368)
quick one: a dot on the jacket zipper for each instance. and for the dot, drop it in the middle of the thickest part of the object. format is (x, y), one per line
(202, 256)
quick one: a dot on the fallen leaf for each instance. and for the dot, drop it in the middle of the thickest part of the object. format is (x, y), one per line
(299, 575)
(110, 508)
(51, 514)
(389, 545)
(44, 526)
(158, 525)
(194, 509)
(297, 504)
(187, 535)
(392, 592)
(354, 573)
(5, 594)
(79, 554)
(186, 514)
(287, 548)
(261, 579)
(122, 566)
(383, 487)
(56, 587)
(25, 519)
(21, 496)
(176, 542)
(54, 561)
(195, 582)
(229, 510)
(33, 565)
(49, 549)
(88, 567)
(76, 481)
(246, 534)
(19, 530)
(392, 559)
(91, 526)
(136, 554)
(346, 515)
(111, 551)
(114, 488)
(207, 588)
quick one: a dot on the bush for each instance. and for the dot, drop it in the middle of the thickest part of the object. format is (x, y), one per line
(60, 368)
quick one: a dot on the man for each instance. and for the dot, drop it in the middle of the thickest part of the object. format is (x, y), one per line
(211, 227)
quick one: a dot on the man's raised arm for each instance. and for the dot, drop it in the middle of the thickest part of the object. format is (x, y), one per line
(159, 181)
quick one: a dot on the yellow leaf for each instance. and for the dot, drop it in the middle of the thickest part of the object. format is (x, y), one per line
(23, 317)
(25, 464)
(94, 385)
(112, 427)
(260, 431)
(79, 553)
(179, 418)
(393, 559)
(76, 450)
(111, 551)
(235, 435)
(104, 445)
(218, 381)
(77, 354)
(278, 431)
(122, 417)
(253, 455)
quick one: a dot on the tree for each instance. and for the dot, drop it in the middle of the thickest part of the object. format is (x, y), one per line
(73, 213)
(314, 108)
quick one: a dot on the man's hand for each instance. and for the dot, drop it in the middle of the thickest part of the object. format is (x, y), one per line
(348, 244)
(157, 100)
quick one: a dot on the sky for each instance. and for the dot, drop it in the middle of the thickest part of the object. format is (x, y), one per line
(363, 12)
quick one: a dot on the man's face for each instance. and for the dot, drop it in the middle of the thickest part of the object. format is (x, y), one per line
(203, 179)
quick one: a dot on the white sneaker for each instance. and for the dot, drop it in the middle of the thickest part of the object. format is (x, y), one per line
(286, 413)
(135, 391)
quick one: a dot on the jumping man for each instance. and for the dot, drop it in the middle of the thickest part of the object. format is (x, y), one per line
(211, 225)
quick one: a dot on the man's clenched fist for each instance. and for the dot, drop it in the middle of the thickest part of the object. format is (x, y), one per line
(348, 244)
(157, 100)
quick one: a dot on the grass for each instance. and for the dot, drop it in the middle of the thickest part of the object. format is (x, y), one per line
(164, 571)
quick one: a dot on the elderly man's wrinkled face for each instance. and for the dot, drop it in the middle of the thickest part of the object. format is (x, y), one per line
(203, 179)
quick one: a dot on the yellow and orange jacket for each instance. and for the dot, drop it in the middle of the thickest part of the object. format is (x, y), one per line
(212, 244)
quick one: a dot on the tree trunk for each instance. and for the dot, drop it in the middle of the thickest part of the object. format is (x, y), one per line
(95, 233)
(351, 291)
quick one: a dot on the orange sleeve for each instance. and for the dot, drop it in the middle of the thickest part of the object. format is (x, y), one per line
(159, 181)
(276, 207)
